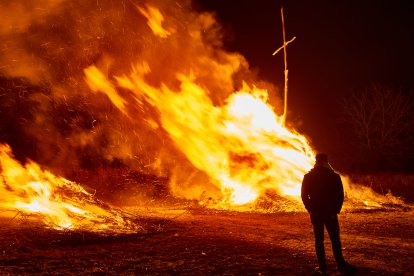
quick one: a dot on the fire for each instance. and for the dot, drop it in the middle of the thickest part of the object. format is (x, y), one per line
(155, 19)
(242, 146)
(189, 110)
(62, 204)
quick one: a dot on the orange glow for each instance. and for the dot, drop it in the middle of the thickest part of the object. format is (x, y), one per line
(155, 19)
(61, 204)
(98, 82)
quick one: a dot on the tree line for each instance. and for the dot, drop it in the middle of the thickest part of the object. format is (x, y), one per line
(380, 122)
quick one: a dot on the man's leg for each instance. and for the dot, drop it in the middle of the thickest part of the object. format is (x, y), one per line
(318, 228)
(332, 226)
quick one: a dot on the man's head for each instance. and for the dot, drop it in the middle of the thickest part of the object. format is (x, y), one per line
(322, 161)
(321, 158)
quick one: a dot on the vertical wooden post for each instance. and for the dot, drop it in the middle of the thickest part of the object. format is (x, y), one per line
(285, 43)
(286, 70)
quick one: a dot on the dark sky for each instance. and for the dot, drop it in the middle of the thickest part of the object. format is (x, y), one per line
(341, 47)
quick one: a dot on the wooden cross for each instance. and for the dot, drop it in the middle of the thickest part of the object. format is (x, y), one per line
(286, 69)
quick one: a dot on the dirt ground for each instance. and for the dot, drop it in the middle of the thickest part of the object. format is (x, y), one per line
(208, 242)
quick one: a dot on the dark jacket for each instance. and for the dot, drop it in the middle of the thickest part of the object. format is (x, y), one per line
(322, 191)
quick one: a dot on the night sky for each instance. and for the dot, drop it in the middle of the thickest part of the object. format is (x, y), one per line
(341, 47)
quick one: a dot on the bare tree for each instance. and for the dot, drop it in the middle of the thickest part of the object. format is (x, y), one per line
(383, 120)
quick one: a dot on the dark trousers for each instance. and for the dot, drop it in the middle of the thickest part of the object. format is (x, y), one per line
(332, 226)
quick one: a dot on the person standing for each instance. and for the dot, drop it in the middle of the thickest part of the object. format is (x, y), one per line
(323, 195)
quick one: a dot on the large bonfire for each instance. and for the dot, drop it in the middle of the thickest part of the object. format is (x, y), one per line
(149, 85)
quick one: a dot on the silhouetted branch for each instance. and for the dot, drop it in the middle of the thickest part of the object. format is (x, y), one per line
(383, 120)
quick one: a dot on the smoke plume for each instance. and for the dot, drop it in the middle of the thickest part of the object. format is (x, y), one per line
(51, 114)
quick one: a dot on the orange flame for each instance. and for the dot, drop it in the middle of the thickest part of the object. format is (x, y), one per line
(155, 19)
(61, 203)
(242, 145)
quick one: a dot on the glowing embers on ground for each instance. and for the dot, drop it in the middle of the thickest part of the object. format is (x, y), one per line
(242, 145)
(60, 203)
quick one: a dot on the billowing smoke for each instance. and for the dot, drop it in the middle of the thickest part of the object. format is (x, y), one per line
(50, 114)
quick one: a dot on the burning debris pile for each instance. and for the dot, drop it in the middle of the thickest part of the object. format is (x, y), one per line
(145, 84)
(60, 203)
(242, 145)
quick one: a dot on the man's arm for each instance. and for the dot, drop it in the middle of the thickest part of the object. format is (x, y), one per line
(340, 194)
(305, 193)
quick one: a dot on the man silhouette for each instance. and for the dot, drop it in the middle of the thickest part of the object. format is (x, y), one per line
(323, 196)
